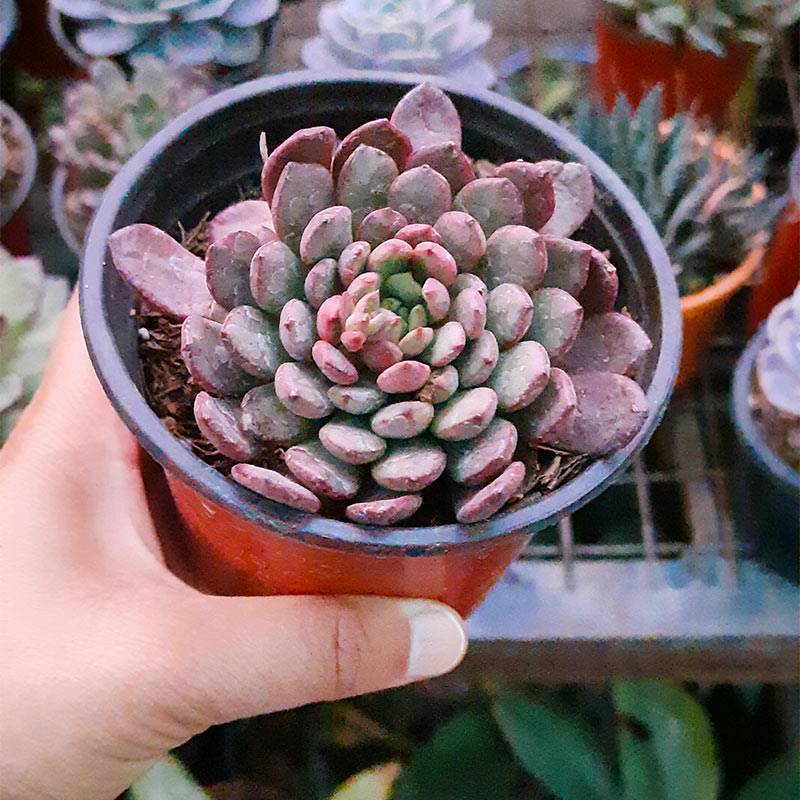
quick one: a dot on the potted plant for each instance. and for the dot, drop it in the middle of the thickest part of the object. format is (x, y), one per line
(106, 119)
(705, 196)
(458, 539)
(439, 39)
(766, 412)
(700, 52)
(228, 35)
(30, 303)
(18, 164)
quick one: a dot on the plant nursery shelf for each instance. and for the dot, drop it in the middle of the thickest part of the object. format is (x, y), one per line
(649, 580)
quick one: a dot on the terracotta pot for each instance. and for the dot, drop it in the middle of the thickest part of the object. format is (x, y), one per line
(233, 541)
(702, 311)
(781, 269)
(633, 64)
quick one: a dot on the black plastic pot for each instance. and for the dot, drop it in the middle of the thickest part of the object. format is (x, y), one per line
(766, 490)
(241, 543)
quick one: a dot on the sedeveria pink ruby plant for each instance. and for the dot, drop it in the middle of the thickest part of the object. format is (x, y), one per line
(393, 321)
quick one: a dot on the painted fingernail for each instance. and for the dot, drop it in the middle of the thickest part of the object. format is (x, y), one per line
(438, 639)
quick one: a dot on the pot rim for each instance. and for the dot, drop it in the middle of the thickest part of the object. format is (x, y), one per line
(182, 463)
(746, 426)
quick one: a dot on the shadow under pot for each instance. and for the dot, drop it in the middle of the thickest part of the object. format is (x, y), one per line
(766, 490)
(236, 542)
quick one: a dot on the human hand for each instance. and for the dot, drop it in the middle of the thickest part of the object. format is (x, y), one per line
(109, 660)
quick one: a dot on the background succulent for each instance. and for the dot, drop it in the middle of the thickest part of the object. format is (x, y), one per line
(441, 37)
(188, 32)
(107, 119)
(705, 196)
(388, 317)
(30, 303)
(706, 25)
(17, 161)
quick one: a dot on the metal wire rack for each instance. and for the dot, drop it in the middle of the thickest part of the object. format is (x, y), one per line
(650, 579)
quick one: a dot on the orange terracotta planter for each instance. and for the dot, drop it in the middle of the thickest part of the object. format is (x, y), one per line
(781, 271)
(701, 312)
(630, 63)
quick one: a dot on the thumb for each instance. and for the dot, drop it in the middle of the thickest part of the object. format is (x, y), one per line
(242, 656)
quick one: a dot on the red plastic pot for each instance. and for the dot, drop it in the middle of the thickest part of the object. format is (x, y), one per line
(231, 540)
(632, 64)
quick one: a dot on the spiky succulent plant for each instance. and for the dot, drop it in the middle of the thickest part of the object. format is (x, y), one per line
(107, 119)
(390, 319)
(30, 303)
(707, 25)
(442, 37)
(188, 32)
(705, 196)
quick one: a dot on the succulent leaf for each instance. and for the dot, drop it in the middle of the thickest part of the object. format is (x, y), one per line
(551, 414)
(380, 225)
(384, 511)
(228, 269)
(509, 310)
(404, 377)
(160, 270)
(609, 342)
(600, 292)
(431, 260)
(276, 276)
(476, 364)
(253, 341)
(360, 398)
(417, 234)
(448, 160)
(469, 310)
(334, 364)
(219, 421)
(448, 342)
(574, 197)
(535, 183)
(476, 461)
(306, 146)
(353, 261)
(320, 283)
(275, 487)
(321, 472)
(378, 133)
(208, 359)
(403, 420)
(246, 216)
(427, 116)
(363, 184)
(296, 329)
(610, 411)
(515, 254)
(421, 195)
(351, 441)
(521, 375)
(327, 234)
(266, 418)
(409, 466)
(303, 390)
(302, 191)
(465, 415)
(557, 318)
(462, 236)
(493, 202)
(567, 264)
(480, 504)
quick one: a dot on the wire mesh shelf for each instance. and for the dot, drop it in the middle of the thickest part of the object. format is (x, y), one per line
(650, 578)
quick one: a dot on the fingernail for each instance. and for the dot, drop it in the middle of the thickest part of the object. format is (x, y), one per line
(438, 639)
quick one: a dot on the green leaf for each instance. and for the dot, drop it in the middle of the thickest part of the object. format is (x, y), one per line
(554, 748)
(371, 784)
(464, 760)
(641, 779)
(680, 735)
(779, 780)
(167, 780)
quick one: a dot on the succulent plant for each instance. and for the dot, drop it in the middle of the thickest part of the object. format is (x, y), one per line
(17, 161)
(107, 119)
(30, 303)
(187, 32)
(705, 196)
(8, 21)
(389, 318)
(440, 37)
(706, 25)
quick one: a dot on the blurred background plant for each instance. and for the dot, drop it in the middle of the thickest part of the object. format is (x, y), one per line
(30, 305)
(106, 119)
(706, 196)
(636, 740)
(230, 33)
(17, 162)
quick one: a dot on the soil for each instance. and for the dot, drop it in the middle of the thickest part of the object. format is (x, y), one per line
(170, 392)
(781, 431)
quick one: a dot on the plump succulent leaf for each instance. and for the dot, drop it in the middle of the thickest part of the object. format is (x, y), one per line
(384, 511)
(535, 183)
(574, 197)
(409, 466)
(551, 414)
(557, 320)
(493, 202)
(275, 487)
(248, 216)
(322, 473)
(611, 341)
(307, 146)
(427, 116)
(480, 504)
(378, 133)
